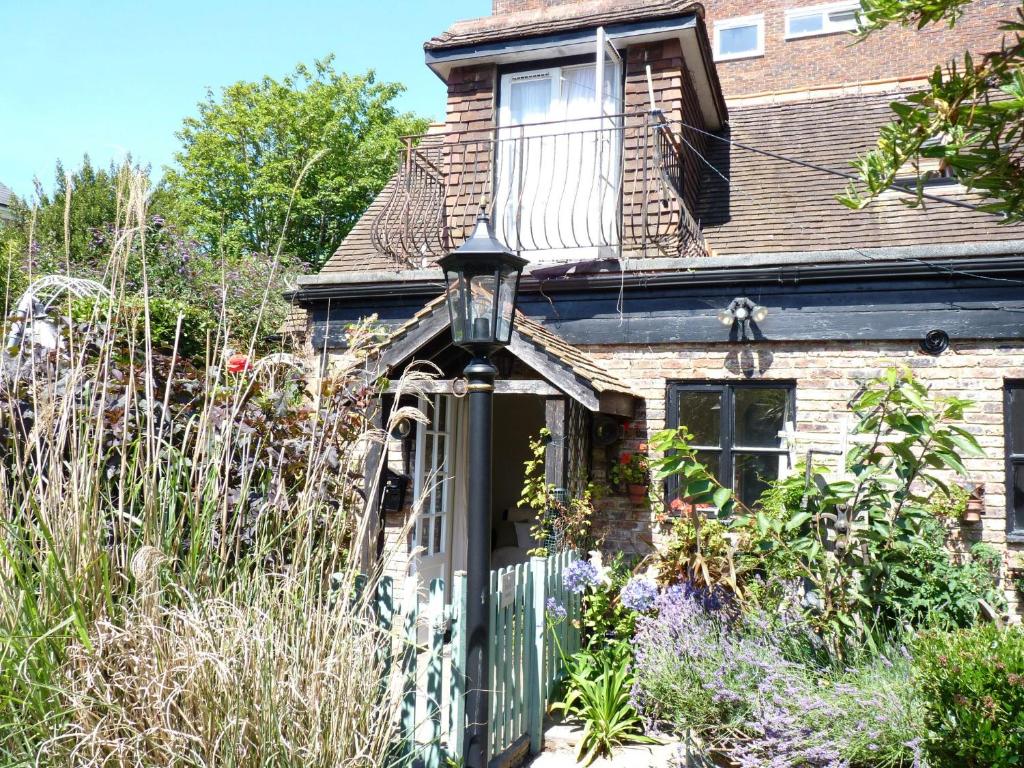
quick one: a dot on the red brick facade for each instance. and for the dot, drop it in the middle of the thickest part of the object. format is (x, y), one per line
(837, 59)
(828, 60)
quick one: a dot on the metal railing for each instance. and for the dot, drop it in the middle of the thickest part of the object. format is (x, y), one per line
(592, 187)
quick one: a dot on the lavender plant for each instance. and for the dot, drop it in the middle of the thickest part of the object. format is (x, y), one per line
(736, 680)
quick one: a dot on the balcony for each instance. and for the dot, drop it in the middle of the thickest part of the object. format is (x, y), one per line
(599, 187)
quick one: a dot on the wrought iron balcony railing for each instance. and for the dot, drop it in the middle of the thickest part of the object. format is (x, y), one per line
(589, 188)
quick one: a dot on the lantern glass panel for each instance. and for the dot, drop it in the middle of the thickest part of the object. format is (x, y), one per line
(480, 325)
(506, 303)
(457, 304)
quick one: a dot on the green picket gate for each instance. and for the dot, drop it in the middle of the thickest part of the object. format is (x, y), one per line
(525, 669)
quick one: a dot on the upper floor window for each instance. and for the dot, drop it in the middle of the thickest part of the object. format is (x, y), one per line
(735, 428)
(1014, 436)
(821, 20)
(739, 38)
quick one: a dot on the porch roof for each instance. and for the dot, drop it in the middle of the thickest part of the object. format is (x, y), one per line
(569, 369)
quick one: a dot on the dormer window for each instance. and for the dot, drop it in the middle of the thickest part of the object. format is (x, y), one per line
(821, 20)
(739, 38)
(558, 177)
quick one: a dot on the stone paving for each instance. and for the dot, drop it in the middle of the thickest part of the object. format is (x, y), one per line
(562, 739)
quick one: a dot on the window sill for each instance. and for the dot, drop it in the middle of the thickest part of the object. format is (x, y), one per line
(824, 33)
(1015, 537)
(738, 56)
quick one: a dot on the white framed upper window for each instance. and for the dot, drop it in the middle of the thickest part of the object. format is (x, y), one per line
(739, 38)
(821, 20)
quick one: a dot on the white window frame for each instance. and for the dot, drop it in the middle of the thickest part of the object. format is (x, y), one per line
(827, 28)
(740, 21)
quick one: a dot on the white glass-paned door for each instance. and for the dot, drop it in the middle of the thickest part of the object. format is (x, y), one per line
(558, 174)
(431, 535)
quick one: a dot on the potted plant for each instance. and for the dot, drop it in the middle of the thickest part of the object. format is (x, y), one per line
(633, 472)
(974, 501)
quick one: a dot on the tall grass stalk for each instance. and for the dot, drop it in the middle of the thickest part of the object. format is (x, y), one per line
(178, 553)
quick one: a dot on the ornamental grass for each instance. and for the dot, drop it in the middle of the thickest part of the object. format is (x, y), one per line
(179, 550)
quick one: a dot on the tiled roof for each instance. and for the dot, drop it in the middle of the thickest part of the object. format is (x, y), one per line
(582, 366)
(776, 206)
(357, 252)
(566, 17)
(5, 195)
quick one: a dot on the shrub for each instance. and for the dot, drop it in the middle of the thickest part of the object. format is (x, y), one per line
(924, 586)
(972, 684)
(748, 684)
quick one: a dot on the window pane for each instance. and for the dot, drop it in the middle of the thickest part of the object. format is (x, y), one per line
(1016, 419)
(843, 19)
(761, 413)
(438, 544)
(751, 474)
(713, 461)
(806, 25)
(701, 413)
(425, 534)
(737, 40)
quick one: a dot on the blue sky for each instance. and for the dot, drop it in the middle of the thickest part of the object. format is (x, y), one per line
(106, 77)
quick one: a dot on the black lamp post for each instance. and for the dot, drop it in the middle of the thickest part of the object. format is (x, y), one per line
(483, 280)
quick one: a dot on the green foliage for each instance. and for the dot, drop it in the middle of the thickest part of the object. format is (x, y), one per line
(972, 685)
(599, 688)
(925, 587)
(696, 485)
(631, 469)
(605, 623)
(863, 545)
(699, 551)
(970, 117)
(294, 161)
(567, 523)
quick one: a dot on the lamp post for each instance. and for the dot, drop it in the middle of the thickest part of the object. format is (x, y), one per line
(482, 276)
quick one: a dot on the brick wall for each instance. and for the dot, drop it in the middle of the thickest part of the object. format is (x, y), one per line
(832, 59)
(511, 6)
(472, 102)
(826, 378)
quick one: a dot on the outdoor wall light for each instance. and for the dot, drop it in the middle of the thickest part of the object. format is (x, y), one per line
(740, 310)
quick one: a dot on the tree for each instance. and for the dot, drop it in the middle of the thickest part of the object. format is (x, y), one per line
(970, 116)
(293, 162)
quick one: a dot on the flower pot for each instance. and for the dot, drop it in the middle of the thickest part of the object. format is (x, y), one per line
(970, 515)
(637, 493)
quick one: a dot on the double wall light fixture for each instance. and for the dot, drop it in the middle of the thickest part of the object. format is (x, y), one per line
(742, 310)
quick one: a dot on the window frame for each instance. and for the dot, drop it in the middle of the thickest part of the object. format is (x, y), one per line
(826, 28)
(1012, 459)
(756, 20)
(727, 446)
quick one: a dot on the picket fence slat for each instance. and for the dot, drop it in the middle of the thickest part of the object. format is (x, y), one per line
(456, 702)
(525, 667)
(435, 615)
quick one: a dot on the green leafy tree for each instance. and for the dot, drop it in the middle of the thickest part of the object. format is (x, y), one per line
(294, 161)
(969, 116)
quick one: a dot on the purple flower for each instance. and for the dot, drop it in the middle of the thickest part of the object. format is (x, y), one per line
(579, 575)
(555, 610)
(639, 594)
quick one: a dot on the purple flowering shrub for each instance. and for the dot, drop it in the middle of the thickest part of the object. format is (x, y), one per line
(639, 594)
(739, 681)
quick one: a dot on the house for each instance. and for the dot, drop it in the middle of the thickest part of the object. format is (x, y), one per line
(5, 203)
(670, 171)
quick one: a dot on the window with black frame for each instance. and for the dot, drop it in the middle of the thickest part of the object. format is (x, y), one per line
(1014, 432)
(735, 428)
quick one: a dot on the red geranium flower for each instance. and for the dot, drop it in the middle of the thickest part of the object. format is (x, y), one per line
(625, 458)
(238, 364)
(676, 505)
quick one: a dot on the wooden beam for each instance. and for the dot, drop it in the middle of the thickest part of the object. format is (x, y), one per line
(501, 387)
(556, 419)
(557, 374)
